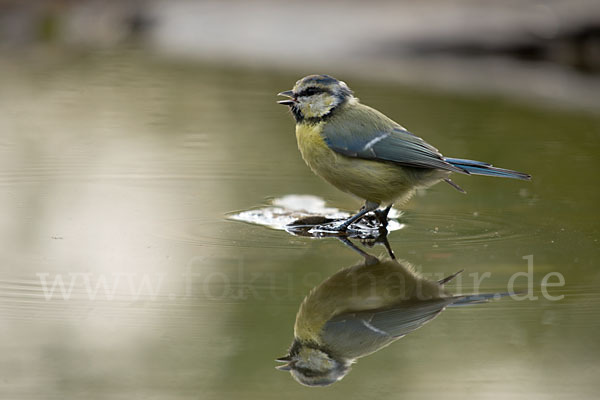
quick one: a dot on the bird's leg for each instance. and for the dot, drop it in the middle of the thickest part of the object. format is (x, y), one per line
(369, 206)
(384, 240)
(369, 259)
(381, 239)
(382, 215)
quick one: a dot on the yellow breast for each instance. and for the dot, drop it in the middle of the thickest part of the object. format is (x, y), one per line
(312, 146)
(370, 180)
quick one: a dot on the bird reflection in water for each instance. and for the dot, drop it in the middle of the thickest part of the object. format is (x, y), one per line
(360, 310)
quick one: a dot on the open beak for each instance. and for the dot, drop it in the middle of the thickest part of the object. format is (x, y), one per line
(288, 364)
(285, 367)
(290, 101)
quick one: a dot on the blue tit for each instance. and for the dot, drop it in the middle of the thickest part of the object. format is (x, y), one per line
(361, 151)
(360, 310)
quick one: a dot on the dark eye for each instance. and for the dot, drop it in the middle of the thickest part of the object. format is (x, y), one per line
(309, 92)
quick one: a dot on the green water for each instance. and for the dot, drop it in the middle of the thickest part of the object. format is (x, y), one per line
(120, 168)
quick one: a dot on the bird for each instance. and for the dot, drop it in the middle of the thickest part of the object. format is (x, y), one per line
(361, 151)
(360, 310)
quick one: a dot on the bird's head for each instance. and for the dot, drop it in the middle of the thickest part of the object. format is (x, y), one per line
(315, 97)
(312, 366)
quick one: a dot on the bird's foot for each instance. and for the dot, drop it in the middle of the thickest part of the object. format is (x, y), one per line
(365, 224)
(382, 216)
(339, 227)
(363, 227)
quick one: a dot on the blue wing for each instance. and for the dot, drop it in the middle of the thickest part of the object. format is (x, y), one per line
(360, 333)
(363, 132)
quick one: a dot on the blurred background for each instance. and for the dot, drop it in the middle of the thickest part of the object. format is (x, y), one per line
(538, 49)
(131, 130)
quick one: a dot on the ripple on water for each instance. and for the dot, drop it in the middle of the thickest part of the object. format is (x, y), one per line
(281, 212)
(463, 229)
(457, 229)
(221, 233)
(31, 299)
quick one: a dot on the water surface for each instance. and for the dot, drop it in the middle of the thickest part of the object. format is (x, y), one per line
(118, 169)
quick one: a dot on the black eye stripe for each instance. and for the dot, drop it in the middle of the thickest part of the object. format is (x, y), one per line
(310, 372)
(312, 91)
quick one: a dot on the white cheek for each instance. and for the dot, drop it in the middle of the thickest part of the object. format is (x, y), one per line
(322, 105)
(317, 106)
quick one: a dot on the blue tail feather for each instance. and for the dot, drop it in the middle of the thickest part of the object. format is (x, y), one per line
(482, 168)
(463, 300)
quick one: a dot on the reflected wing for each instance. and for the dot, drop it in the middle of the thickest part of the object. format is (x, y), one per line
(363, 132)
(359, 334)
